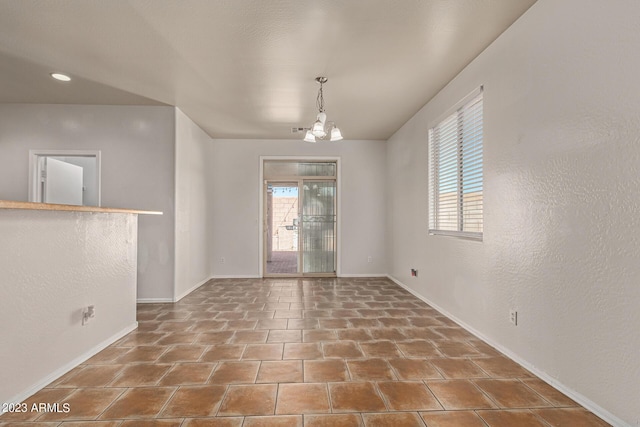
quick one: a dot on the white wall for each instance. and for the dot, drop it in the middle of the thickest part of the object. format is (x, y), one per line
(562, 196)
(53, 265)
(137, 145)
(193, 219)
(236, 194)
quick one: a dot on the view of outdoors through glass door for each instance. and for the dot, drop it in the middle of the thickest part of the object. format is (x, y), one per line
(282, 228)
(300, 218)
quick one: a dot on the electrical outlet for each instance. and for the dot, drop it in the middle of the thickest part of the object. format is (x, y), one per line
(222, 260)
(513, 317)
(88, 313)
(369, 258)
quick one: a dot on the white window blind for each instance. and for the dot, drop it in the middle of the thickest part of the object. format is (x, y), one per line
(455, 172)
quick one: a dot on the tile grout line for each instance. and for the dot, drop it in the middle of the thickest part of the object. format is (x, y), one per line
(122, 393)
(169, 399)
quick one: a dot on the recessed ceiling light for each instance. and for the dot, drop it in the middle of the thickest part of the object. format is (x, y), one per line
(61, 77)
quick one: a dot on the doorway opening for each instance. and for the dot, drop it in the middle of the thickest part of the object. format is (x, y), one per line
(70, 177)
(282, 250)
(300, 218)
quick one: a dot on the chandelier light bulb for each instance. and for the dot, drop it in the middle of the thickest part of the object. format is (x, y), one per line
(309, 137)
(318, 129)
(336, 135)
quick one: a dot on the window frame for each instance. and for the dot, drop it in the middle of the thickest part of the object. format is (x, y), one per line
(434, 183)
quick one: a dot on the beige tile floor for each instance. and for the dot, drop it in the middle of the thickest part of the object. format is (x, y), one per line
(293, 352)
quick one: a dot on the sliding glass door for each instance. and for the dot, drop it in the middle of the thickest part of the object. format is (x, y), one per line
(300, 223)
(318, 226)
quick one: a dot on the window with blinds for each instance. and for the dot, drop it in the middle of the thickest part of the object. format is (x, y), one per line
(455, 171)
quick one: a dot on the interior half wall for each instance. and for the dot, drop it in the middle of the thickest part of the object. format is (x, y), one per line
(138, 163)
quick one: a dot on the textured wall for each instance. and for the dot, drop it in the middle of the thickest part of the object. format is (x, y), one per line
(562, 196)
(235, 165)
(53, 264)
(137, 145)
(193, 246)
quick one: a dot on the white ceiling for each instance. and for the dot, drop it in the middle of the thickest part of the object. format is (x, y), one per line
(246, 68)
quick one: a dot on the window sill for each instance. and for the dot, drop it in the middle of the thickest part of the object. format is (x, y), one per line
(459, 234)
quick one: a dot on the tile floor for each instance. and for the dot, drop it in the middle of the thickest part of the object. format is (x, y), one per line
(283, 262)
(293, 352)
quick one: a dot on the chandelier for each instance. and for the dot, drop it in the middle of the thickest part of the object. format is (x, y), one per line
(319, 129)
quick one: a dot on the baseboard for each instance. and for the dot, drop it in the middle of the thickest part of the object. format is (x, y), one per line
(362, 275)
(224, 276)
(577, 397)
(193, 288)
(153, 300)
(20, 397)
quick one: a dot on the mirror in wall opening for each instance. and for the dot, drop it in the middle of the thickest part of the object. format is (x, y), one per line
(68, 177)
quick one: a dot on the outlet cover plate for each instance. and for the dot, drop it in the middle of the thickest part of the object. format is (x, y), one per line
(513, 317)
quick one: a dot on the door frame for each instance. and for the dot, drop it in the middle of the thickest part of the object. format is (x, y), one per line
(35, 194)
(262, 211)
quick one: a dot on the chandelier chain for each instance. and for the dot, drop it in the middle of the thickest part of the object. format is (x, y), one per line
(320, 100)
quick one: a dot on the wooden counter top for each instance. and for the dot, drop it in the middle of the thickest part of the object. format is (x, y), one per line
(9, 204)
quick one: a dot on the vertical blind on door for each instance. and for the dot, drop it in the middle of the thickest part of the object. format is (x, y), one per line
(455, 172)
